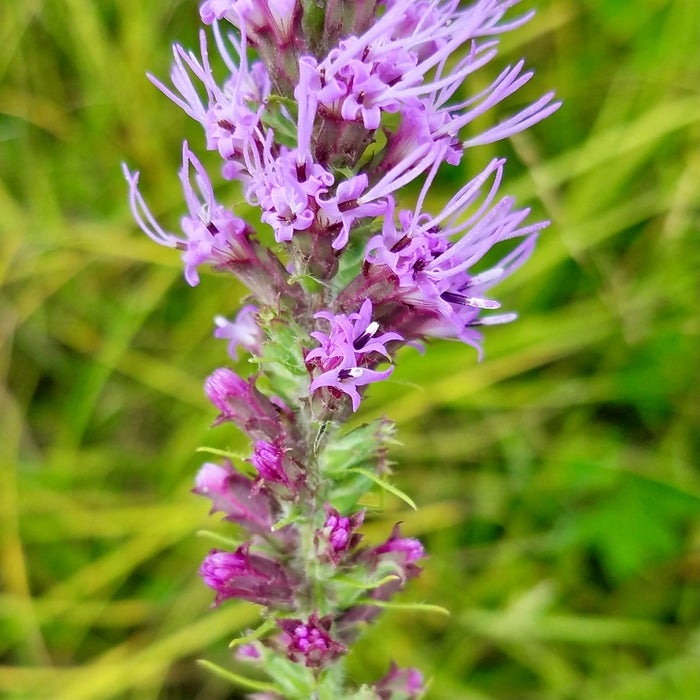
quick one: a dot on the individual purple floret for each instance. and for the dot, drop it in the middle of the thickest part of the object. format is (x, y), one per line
(345, 207)
(338, 533)
(212, 233)
(345, 380)
(346, 351)
(400, 684)
(244, 332)
(353, 335)
(254, 577)
(310, 642)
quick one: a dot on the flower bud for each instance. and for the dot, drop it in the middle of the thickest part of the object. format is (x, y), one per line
(254, 577)
(311, 642)
(338, 533)
(267, 459)
(232, 493)
(404, 551)
(241, 403)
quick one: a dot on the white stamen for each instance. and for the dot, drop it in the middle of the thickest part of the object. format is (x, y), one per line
(372, 329)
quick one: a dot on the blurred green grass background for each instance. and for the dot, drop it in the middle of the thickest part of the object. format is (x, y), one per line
(557, 480)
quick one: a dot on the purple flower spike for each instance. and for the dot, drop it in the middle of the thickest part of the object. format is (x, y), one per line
(400, 684)
(338, 533)
(232, 493)
(325, 112)
(311, 642)
(254, 577)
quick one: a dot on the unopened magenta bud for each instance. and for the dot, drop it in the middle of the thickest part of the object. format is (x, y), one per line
(254, 577)
(268, 460)
(337, 536)
(310, 642)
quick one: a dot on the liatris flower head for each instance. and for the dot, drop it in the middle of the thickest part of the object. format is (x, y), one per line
(346, 103)
(346, 355)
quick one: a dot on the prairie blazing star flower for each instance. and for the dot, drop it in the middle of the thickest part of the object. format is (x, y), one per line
(212, 233)
(432, 273)
(348, 104)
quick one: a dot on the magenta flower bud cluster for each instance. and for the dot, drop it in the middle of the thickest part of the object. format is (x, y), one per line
(324, 112)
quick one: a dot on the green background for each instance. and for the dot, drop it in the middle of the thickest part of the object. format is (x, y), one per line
(556, 480)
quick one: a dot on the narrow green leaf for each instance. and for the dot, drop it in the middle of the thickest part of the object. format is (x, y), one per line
(354, 583)
(385, 485)
(244, 682)
(261, 631)
(221, 539)
(419, 607)
(222, 453)
(294, 515)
